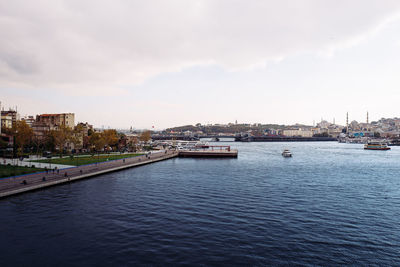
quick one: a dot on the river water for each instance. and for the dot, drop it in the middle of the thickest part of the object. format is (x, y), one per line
(331, 204)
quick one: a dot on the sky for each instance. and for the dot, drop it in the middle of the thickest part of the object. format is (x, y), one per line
(166, 63)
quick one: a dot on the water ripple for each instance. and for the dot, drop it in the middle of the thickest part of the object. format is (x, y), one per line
(331, 204)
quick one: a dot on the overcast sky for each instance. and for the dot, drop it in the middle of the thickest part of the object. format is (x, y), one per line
(173, 62)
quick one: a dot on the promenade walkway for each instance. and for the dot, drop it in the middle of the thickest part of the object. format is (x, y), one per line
(29, 163)
(18, 184)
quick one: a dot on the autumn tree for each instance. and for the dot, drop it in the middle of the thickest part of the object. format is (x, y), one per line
(145, 136)
(97, 141)
(23, 135)
(110, 137)
(61, 136)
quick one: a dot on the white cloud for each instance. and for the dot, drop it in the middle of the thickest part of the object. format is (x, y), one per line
(87, 46)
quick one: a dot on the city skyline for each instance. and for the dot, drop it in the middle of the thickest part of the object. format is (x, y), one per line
(165, 64)
(314, 123)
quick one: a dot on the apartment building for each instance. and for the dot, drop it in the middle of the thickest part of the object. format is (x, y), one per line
(57, 120)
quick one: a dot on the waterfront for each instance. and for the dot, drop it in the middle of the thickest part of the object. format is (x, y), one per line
(331, 204)
(24, 183)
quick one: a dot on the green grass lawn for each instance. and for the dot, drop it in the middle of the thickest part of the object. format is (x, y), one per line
(77, 161)
(6, 171)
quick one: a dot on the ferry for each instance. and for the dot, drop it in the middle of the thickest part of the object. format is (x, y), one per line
(376, 146)
(286, 153)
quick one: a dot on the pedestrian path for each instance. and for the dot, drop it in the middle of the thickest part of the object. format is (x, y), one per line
(29, 163)
(23, 183)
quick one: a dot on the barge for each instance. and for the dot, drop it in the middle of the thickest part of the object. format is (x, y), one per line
(210, 152)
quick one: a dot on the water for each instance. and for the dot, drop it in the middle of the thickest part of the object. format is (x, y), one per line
(331, 204)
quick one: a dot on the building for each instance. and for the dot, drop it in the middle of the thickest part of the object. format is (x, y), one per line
(57, 120)
(6, 122)
(40, 130)
(85, 128)
(9, 118)
(298, 132)
(272, 132)
(29, 120)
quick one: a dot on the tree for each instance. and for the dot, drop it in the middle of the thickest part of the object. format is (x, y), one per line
(23, 135)
(48, 141)
(110, 137)
(145, 136)
(61, 136)
(37, 141)
(78, 136)
(97, 141)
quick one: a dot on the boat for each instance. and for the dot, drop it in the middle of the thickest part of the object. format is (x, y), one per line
(373, 145)
(395, 142)
(286, 153)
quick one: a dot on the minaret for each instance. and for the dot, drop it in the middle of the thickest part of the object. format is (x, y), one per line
(347, 123)
(367, 118)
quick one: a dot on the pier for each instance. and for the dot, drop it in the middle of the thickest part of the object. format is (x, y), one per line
(210, 152)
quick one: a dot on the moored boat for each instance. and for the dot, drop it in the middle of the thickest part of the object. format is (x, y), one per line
(395, 142)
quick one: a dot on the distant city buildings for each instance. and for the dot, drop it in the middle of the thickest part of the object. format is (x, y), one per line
(57, 120)
(301, 132)
(6, 121)
(44, 126)
(389, 128)
(29, 120)
(9, 118)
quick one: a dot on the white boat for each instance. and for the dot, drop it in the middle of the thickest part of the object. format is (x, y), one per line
(286, 153)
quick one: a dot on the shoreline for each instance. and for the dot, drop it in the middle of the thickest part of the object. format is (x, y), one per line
(10, 186)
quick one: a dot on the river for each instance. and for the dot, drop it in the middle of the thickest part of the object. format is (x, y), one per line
(331, 204)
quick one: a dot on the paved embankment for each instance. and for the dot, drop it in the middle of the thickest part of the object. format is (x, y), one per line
(29, 163)
(19, 184)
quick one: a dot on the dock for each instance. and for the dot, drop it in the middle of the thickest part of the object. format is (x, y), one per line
(210, 152)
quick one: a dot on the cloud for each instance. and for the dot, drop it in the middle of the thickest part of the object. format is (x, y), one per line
(102, 46)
